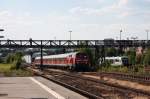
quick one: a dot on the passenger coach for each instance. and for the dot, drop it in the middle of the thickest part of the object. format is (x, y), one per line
(118, 61)
(73, 61)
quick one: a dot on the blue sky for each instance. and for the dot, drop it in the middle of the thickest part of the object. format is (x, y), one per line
(88, 19)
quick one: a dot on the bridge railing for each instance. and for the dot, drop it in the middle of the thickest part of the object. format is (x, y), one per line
(74, 43)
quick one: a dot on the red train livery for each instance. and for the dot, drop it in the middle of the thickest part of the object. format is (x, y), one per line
(74, 61)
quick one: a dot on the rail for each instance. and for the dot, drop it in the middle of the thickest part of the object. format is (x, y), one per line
(116, 88)
(123, 76)
(82, 92)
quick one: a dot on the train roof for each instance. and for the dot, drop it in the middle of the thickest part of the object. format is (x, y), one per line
(37, 54)
(117, 57)
(113, 57)
(58, 55)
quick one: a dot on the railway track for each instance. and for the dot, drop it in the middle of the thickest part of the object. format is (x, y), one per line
(91, 88)
(113, 86)
(123, 76)
(94, 89)
(74, 88)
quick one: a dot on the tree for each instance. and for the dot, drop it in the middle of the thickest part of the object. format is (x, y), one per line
(132, 56)
(111, 52)
(9, 58)
(15, 59)
(147, 58)
(139, 59)
(18, 59)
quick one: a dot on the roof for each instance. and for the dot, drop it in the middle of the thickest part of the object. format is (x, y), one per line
(38, 54)
(113, 58)
(58, 55)
(118, 57)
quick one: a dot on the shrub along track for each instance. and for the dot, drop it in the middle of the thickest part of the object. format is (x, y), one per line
(91, 88)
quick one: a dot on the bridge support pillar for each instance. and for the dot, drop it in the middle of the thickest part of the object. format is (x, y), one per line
(64, 50)
(31, 55)
(41, 65)
(99, 55)
(102, 56)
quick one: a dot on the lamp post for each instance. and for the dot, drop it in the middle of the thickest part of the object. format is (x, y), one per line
(70, 34)
(116, 38)
(55, 38)
(120, 33)
(147, 33)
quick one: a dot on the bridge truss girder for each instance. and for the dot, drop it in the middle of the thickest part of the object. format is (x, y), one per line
(97, 44)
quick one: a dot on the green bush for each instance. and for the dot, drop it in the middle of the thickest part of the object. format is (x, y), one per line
(15, 59)
(147, 58)
(10, 70)
(9, 58)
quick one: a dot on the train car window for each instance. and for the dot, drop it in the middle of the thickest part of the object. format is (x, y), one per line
(117, 60)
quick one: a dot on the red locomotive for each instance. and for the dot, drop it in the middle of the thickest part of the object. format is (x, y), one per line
(73, 61)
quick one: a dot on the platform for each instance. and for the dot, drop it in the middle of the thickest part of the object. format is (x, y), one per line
(34, 88)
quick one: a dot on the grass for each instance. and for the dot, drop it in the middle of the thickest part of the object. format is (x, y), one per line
(123, 69)
(5, 67)
(6, 70)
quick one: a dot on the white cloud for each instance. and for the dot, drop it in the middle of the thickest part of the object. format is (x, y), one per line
(119, 8)
(5, 13)
(147, 0)
(122, 3)
(86, 11)
(124, 14)
(100, 1)
(26, 25)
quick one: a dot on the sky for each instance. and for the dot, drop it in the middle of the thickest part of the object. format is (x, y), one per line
(87, 19)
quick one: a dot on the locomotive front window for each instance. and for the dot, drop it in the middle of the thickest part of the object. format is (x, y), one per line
(82, 56)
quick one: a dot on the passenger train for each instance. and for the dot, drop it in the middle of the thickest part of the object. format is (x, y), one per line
(118, 61)
(73, 61)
